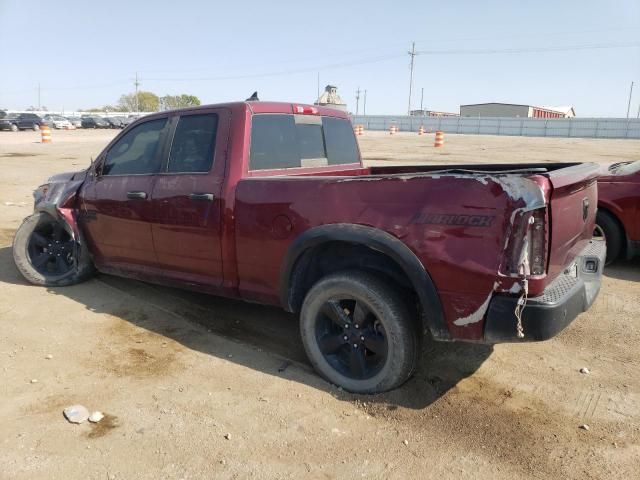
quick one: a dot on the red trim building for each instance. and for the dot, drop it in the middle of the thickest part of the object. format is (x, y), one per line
(515, 110)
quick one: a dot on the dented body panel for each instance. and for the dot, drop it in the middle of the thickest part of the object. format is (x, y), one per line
(457, 224)
(462, 235)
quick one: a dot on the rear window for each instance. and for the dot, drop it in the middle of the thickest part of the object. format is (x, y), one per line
(293, 141)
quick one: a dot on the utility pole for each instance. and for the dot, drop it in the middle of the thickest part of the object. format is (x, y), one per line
(318, 87)
(39, 97)
(357, 101)
(136, 83)
(412, 53)
(421, 99)
(364, 107)
(629, 104)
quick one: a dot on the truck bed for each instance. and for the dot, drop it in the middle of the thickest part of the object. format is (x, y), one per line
(458, 221)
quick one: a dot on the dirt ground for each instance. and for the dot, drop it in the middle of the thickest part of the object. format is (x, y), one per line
(202, 387)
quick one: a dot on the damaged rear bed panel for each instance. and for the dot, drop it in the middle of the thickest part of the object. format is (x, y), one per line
(458, 225)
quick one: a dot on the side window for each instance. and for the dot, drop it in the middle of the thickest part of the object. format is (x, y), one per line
(193, 144)
(137, 152)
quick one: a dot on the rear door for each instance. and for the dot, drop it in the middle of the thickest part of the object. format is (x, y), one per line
(116, 212)
(187, 202)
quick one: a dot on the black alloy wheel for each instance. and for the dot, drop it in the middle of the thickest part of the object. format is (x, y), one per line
(351, 338)
(51, 249)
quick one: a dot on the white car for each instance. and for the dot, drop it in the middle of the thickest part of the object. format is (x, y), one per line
(58, 122)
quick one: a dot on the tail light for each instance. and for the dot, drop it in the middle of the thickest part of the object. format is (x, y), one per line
(526, 252)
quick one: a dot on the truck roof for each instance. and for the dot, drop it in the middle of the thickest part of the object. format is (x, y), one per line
(268, 107)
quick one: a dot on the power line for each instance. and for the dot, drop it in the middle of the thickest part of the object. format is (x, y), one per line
(535, 35)
(283, 72)
(482, 51)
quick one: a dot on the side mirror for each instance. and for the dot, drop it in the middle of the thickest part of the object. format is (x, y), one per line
(96, 167)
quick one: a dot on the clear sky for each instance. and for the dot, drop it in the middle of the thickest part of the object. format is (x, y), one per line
(86, 53)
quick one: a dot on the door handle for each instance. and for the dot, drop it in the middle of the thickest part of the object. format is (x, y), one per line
(137, 195)
(207, 197)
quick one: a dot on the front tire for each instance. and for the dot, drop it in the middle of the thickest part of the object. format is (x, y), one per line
(46, 255)
(36, 127)
(608, 229)
(14, 127)
(358, 332)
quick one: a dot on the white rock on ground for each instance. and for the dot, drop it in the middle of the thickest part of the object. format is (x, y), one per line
(76, 414)
(95, 417)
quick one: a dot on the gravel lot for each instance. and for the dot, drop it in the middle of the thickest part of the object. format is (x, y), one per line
(202, 387)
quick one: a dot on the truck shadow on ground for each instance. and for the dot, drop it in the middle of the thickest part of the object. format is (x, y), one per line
(268, 329)
(624, 270)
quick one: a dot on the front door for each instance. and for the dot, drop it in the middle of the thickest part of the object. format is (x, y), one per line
(187, 202)
(116, 211)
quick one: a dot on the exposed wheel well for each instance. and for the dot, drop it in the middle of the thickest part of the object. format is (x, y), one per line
(330, 257)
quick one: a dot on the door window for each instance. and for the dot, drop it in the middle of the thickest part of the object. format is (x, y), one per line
(138, 152)
(193, 144)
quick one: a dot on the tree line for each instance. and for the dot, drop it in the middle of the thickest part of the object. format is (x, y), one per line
(145, 101)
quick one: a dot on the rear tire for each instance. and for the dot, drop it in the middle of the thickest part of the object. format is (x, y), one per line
(36, 127)
(45, 253)
(607, 228)
(358, 332)
(14, 127)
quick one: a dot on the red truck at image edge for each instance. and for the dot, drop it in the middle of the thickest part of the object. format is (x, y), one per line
(270, 202)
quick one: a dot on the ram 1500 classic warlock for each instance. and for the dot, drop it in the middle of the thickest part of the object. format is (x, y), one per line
(270, 203)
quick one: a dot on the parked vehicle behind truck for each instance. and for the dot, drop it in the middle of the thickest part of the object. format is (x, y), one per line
(618, 219)
(269, 202)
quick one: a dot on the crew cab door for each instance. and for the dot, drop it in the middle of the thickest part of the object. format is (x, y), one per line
(116, 211)
(187, 204)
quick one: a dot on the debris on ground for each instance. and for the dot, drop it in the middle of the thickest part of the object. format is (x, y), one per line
(49, 357)
(406, 442)
(76, 414)
(96, 416)
(284, 366)
(584, 370)
(584, 426)
(227, 436)
(34, 380)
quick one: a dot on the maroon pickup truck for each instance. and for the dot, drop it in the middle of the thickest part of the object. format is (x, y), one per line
(270, 203)
(618, 219)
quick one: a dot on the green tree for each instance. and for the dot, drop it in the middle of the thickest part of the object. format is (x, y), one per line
(143, 102)
(170, 102)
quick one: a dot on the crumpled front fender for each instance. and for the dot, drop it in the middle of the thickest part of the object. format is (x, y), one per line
(58, 198)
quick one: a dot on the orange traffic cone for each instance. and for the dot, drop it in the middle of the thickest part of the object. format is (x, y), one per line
(45, 133)
(421, 130)
(439, 139)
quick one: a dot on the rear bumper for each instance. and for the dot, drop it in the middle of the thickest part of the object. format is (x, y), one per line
(546, 315)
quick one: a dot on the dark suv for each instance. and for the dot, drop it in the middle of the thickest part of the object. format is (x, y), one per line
(8, 121)
(94, 122)
(30, 121)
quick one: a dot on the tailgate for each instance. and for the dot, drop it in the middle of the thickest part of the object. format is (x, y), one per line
(573, 205)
